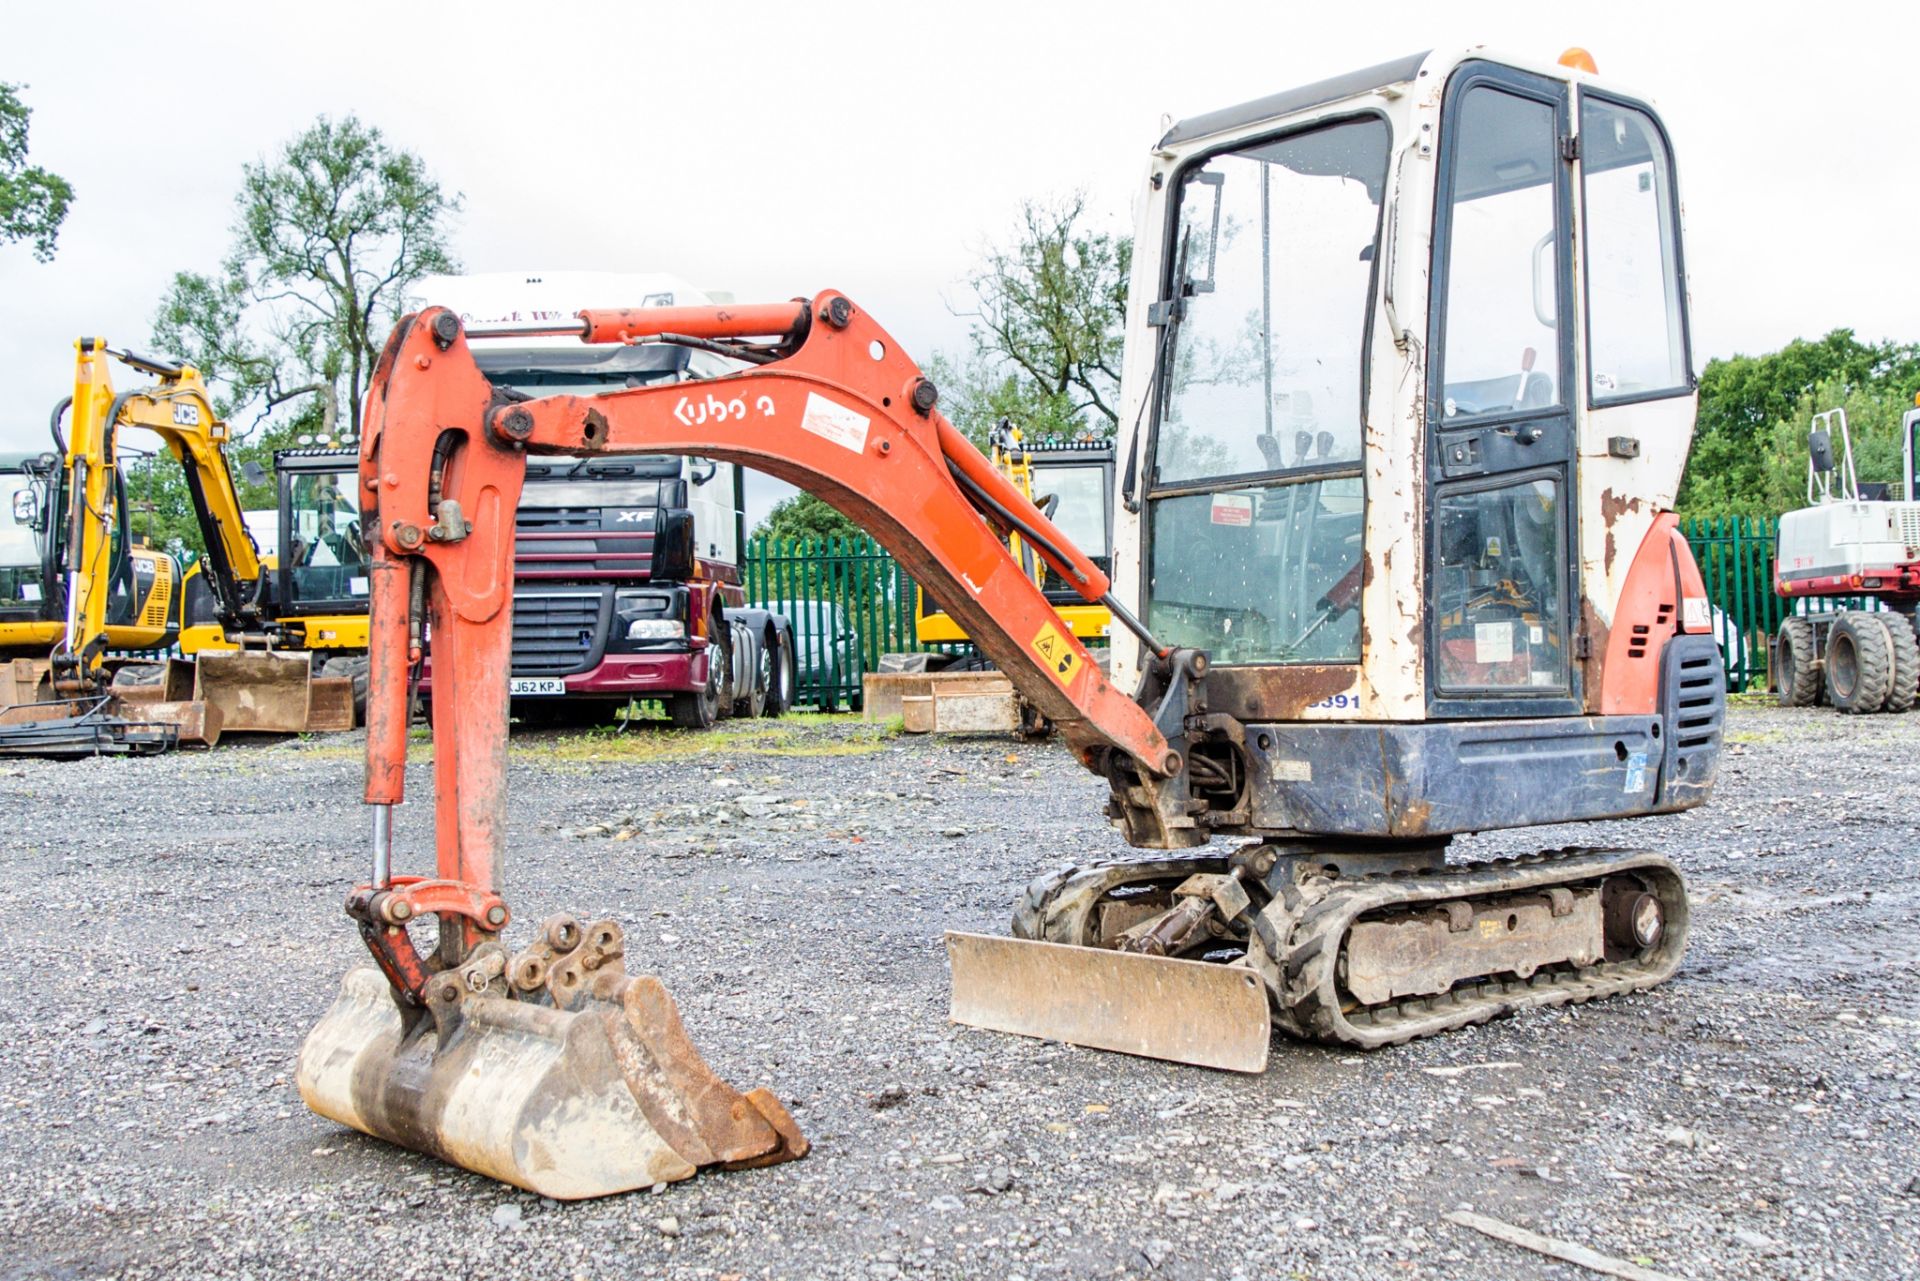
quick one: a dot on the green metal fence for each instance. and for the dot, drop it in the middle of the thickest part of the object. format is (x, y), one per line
(849, 601)
(1735, 554)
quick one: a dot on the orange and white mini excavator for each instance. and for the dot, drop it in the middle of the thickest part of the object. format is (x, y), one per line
(1406, 401)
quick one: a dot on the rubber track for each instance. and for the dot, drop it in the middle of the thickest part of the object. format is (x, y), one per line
(1309, 1004)
(1317, 914)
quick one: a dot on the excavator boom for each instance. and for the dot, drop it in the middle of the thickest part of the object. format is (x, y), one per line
(831, 404)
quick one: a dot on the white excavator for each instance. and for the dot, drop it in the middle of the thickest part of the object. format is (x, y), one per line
(1406, 400)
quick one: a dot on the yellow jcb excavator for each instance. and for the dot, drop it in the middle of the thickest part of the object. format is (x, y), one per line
(83, 591)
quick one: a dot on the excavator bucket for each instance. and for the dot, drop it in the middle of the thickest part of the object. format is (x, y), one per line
(162, 694)
(256, 691)
(1156, 1007)
(557, 1072)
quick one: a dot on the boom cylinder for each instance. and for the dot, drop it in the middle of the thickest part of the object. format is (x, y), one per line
(760, 320)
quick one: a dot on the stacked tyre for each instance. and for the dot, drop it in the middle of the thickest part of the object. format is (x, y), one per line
(1871, 664)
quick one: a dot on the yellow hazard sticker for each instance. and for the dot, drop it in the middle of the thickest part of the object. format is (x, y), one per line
(1056, 653)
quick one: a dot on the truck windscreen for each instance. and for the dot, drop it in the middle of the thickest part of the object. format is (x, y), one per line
(597, 486)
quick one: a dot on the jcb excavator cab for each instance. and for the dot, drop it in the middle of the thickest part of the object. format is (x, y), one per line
(320, 580)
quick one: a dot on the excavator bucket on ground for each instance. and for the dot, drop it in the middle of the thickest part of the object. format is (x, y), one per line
(553, 1070)
(256, 690)
(126, 720)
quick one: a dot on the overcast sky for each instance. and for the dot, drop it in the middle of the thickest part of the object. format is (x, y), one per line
(778, 149)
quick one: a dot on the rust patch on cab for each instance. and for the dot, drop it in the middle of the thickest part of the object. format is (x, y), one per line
(1277, 693)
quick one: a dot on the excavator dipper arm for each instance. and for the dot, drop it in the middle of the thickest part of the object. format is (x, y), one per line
(552, 1068)
(841, 412)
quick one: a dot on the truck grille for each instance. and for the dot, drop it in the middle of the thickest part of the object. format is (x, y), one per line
(556, 554)
(558, 633)
(558, 518)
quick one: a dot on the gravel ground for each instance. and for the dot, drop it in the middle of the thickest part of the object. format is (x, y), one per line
(173, 928)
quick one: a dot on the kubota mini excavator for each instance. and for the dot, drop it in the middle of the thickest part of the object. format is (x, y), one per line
(1394, 562)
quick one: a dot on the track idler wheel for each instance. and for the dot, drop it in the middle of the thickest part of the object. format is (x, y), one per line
(553, 1070)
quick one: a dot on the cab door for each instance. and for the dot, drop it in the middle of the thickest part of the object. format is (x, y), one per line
(1502, 582)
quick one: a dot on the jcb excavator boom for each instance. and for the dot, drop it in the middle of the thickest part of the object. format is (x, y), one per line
(177, 409)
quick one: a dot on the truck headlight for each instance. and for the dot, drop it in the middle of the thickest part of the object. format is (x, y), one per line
(656, 629)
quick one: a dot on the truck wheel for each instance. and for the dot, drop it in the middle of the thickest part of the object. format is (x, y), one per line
(753, 700)
(786, 678)
(1859, 667)
(1796, 670)
(699, 709)
(1906, 661)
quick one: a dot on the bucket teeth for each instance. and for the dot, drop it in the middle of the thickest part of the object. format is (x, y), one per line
(600, 1091)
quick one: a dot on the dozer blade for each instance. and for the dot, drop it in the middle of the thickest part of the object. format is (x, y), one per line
(256, 691)
(568, 1103)
(1183, 1011)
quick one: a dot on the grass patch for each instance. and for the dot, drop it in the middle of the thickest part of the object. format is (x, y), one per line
(819, 718)
(646, 744)
(419, 751)
(651, 745)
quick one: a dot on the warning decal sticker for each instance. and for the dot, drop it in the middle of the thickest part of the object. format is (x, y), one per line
(1056, 654)
(836, 423)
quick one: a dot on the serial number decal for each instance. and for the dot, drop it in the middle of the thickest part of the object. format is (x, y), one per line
(1056, 653)
(837, 423)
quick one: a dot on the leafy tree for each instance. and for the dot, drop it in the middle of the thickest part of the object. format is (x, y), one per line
(804, 516)
(327, 237)
(1049, 319)
(1873, 421)
(977, 391)
(1743, 398)
(33, 202)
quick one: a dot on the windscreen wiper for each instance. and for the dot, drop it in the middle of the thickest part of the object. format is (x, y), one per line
(1166, 316)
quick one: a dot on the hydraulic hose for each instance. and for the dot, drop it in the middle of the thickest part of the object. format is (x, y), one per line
(59, 412)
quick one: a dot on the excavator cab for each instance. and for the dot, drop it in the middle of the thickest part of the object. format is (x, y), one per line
(1406, 400)
(1408, 355)
(1401, 444)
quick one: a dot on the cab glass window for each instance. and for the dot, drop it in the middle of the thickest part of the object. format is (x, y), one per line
(1636, 334)
(328, 555)
(1273, 263)
(1498, 589)
(1261, 573)
(1503, 259)
(19, 497)
(1257, 521)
